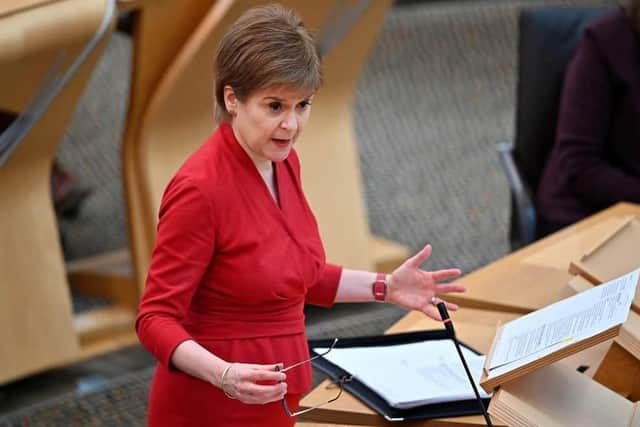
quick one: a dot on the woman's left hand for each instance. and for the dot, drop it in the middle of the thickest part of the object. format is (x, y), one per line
(416, 289)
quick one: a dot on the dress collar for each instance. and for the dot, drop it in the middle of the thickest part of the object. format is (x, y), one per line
(232, 142)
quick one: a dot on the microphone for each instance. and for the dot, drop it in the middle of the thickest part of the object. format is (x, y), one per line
(448, 324)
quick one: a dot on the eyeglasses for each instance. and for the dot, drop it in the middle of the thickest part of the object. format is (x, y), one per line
(339, 384)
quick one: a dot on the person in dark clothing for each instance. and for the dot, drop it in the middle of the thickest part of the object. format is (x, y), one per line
(595, 161)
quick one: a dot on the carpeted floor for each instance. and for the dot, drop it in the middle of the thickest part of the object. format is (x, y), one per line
(123, 403)
(436, 96)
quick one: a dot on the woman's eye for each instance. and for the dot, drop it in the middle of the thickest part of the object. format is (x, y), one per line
(304, 104)
(275, 106)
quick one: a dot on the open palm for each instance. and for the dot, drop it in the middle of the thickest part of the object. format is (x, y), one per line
(416, 289)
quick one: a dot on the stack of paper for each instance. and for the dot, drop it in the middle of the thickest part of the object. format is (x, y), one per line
(559, 330)
(410, 375)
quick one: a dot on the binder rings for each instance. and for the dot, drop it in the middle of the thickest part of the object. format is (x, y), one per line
(372, 399)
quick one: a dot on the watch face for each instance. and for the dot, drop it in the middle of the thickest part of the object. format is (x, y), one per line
(379, 290)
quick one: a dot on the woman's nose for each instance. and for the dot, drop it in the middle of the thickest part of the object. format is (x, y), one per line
(289, 121)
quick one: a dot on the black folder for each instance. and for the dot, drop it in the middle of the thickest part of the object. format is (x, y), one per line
(372, 399)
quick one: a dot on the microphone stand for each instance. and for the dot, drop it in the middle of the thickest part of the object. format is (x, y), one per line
(448, 324)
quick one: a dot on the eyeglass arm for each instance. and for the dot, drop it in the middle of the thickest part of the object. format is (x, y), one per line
(295, 365)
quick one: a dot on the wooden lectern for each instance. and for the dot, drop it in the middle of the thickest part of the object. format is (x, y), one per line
(614, 254)
(558, 396)
(619, 368)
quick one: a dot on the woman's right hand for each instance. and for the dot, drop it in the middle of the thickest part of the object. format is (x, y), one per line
(257, 384)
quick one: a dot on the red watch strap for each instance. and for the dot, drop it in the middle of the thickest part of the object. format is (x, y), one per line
(379, 287)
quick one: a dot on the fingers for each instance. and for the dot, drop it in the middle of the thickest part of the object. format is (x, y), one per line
(446, 288)
(447, 274)
(432, 312)
(260, 394)
(246, 382)
(451, 306)
(268, 375)
(417, 260)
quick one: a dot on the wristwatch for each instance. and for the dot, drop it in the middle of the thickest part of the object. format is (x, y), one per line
(380, 287)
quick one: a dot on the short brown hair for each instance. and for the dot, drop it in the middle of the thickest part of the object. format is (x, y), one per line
(268, 46)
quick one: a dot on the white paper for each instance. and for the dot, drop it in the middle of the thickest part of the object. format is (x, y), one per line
(410, 375)
(558, 325)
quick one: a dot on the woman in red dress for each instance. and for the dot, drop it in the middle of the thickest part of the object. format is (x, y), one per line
(238, 252)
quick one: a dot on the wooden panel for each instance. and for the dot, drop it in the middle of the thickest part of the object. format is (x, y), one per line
(619, 368)
(521, 283)
(132, 4)
(35, 309)
(9, 7)
(556, 397)
(614, 255)
(161, 29)
(96, 325)
(329, 141)
(107, 276)
(38, 29)
(620, 372)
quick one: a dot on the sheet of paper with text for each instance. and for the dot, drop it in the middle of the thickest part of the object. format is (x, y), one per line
(558, 325)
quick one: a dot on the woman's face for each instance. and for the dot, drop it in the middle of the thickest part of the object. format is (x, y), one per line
(268, 122)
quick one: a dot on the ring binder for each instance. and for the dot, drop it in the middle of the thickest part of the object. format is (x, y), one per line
(373, 399)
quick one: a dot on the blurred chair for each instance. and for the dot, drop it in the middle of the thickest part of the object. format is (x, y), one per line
(549, 37)
(48, 50)
(174, 116)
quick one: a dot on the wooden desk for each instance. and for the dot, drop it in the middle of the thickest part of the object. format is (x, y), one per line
(526, 280)
(536, 275)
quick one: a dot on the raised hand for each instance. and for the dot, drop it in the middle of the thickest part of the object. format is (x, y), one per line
(416, 289)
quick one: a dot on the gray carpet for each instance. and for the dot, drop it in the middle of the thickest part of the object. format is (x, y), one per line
(435, 97)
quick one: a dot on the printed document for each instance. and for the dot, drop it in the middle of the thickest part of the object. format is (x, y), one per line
(558, 325)
(410, 375)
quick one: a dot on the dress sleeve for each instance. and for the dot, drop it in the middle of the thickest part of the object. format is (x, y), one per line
(585, 117)
(183, 250)
(323, 292)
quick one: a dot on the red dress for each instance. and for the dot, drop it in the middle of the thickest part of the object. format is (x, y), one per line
(231, 270)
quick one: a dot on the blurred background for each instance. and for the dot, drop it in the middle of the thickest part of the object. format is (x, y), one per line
(435, 96)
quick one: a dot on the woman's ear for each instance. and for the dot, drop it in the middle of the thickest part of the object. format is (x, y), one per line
(230, 100)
